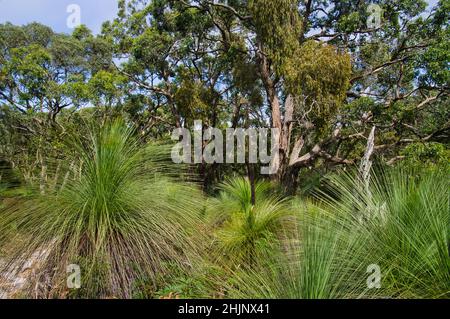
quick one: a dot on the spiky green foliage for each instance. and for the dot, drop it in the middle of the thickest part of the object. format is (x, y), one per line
(401, 225)
(406, 219)
(307, 267)
(248, 230)
(120, 220)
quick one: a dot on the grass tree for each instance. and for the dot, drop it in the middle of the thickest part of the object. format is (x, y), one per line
(120, 221)
(399, 232)
(249, 230)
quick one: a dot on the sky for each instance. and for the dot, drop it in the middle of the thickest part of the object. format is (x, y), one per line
(54, 12)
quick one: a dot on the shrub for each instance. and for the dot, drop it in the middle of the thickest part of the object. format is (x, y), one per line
(120, 220)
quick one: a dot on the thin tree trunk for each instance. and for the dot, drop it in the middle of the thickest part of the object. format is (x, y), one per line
(366, 163)
(251, 178)
(66, 177)
(289, 180)
(56, 177)
(43, 177)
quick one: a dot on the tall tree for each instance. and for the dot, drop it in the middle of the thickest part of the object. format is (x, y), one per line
(42, 75)
(339, 73)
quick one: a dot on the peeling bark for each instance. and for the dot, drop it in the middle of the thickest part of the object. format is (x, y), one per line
(366, 163)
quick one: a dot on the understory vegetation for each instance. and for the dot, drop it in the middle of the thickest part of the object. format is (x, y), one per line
(138, 229)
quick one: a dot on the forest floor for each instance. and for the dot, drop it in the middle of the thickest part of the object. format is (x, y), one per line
(15, 279)
(12, 282)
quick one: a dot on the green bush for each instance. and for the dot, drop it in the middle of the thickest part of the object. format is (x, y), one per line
(120, 220)
(401, 225)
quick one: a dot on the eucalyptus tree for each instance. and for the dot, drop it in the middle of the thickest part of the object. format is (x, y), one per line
(322, 72)
(174, 76)
(179, 69)
(400, 74)
(42, 75)
(41, 71)
(332, 70)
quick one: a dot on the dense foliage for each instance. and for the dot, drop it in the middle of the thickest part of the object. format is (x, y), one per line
(85, 135)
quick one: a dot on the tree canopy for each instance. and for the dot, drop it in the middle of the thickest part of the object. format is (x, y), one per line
(323, 72)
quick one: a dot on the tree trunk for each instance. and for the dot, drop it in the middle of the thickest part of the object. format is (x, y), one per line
(251, 178)
(56, 177)
(43, 177)
(277, 123)
(289, 180)
(366, 164)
